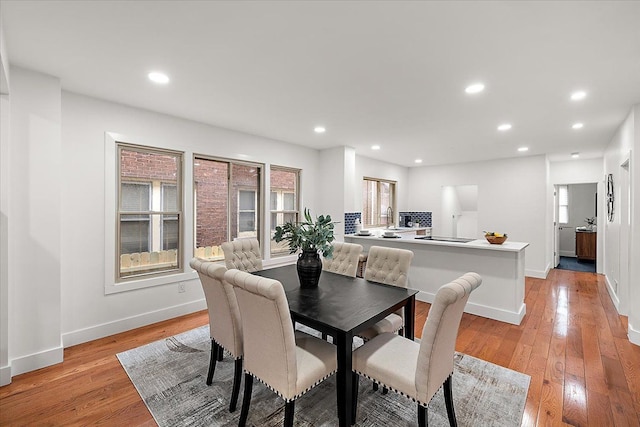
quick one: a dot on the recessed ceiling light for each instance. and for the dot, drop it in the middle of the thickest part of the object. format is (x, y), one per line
(475, 88)
(523, 149)
(159, 78)
(577, 126)
(375, 147)
(575, 155)
(319, 129)
(504, 126)
(418, 160)
(579, 95)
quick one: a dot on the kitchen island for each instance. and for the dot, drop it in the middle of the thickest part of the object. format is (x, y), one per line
(437, 262)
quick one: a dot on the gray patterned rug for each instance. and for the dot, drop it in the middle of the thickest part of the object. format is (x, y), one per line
(170, 377)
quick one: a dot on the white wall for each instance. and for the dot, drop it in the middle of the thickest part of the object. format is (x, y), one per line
(88, 313)
(634, 232)
(616, 152)
(582, 203)
(622, 245)
(576, 171)
(56, 242)
(35, 216)
(5, 108)
(511, 198)
(334, 171)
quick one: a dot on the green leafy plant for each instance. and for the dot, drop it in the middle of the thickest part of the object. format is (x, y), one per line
(308, 234)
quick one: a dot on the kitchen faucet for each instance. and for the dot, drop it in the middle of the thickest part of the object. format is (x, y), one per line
(389, 216)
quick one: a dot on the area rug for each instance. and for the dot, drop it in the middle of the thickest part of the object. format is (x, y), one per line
(170, 376)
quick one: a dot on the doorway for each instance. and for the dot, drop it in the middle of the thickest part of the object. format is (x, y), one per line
(576, 226)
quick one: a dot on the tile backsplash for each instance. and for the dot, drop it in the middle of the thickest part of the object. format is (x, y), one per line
(350, 221)
(424, 218)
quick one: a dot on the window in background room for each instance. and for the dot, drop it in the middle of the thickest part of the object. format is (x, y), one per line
(227, 204)
(377, 196)
(563, 204)
(247, 214)
(149, 211)
(283, 201)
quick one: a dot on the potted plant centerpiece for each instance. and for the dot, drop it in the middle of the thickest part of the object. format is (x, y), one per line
(312, 238)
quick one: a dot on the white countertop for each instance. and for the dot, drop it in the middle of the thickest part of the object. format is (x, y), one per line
(507, 246)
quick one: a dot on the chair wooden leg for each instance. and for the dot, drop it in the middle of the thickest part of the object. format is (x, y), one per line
(237, 376)
(220, 353)
(385, 390)
(448, 400)
(246, 400)
(212, 361)
(375, 386)
(354, 388)
(289, 408)
(423, 416)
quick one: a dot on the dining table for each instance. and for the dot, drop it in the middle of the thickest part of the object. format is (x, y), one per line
(341, 306)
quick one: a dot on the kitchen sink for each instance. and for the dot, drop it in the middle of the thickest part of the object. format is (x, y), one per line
(445, 239)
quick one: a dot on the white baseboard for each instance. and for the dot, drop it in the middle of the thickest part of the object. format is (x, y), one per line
(31, 362)
(5, 375)
(515, 318)
(538, 274)
(104, 330)
(571, 254)
(634, 336)
(612, 294)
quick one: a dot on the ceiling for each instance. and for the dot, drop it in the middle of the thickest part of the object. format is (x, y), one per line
(386, 73)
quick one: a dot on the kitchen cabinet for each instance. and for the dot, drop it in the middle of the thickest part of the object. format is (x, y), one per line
(586, 245)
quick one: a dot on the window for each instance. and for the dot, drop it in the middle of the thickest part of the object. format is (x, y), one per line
(149, 211)
(563, 204)
(227, 204)
(247, 214)
(283, 203)
(135, 229)
(377, 197)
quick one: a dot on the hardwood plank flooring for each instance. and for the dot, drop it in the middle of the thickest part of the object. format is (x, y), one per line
(584, 371)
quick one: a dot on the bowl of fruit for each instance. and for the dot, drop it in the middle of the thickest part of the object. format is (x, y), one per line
(495, 238)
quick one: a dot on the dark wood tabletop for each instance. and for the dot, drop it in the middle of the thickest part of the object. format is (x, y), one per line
(341, 306)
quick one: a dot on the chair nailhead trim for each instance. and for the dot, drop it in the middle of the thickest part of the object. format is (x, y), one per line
(297, 395)
(426, 405)
(228, 352)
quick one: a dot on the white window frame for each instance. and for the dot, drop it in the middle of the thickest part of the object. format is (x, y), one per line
(111, 285)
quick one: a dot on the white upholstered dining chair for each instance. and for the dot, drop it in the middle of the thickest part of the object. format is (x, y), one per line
(288, 362)
(243, 254)
(224, 321)
(389, 266)
(418, 370)
(344, 260)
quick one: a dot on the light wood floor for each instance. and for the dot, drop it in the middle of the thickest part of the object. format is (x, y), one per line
(584, 371)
